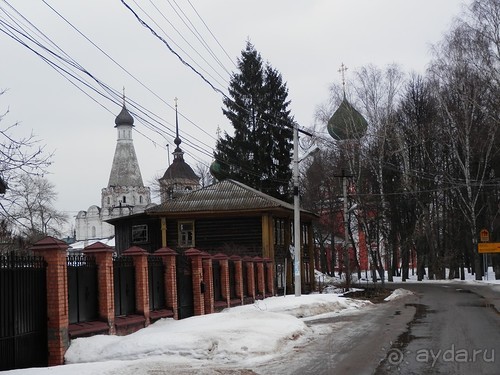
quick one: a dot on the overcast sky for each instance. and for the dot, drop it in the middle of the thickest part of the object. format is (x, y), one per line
(305, 40)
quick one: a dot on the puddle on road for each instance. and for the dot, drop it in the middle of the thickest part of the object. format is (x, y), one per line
(406, 337)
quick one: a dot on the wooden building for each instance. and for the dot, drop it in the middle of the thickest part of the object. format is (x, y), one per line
(227, 217)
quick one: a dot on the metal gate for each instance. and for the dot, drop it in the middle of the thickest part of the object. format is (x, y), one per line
(232, 280)
(124, 285)
(244, 274)
(156, 277)
(184, 286)
(23, 312)
(217, 280)
(82, 288)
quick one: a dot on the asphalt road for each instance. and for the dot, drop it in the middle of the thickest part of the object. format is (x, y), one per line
(455, 330)
(445, 328)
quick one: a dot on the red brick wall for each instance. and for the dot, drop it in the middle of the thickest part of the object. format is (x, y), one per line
(197, 274)
(208, 281)
(54, 253)
(168, 256)
(140, 257)
(103, 255)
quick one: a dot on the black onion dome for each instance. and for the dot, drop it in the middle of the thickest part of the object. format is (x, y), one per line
(124, 117)
(347, 123)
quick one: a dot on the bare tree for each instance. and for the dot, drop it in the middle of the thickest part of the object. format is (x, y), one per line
(378, 92)
(19, 156)
(32, 208)
(202, 170)
(465, 65)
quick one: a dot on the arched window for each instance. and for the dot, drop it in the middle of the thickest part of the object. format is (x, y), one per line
(140, 198)
(93, 231)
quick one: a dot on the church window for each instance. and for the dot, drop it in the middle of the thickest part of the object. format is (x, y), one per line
(93, 232)
(140, 198)
(186, 233)
(124, 200)
(139, 233)
(109, 200)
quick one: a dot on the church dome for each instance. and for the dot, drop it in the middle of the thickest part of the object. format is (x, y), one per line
(179, 169)
(217, 171)
(124, 117)
(347, 123)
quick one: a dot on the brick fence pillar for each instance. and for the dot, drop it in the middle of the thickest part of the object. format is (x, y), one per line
(54, 253)
(103, 255)
(238, 276)
(208, 282)
(197, 277)
(269, 276)
(169, 261)
(140, 257)
(260, 283)
(248, 267)
(224, 276)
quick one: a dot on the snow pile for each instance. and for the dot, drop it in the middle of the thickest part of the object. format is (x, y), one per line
(263, 328)
(398, 293)
(218, 337)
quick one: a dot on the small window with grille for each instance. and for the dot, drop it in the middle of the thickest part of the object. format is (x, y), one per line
(186, 233)
(139, 233)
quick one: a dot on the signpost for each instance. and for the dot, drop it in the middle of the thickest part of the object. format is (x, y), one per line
(488, 247)
(484, 235)
(485, 247)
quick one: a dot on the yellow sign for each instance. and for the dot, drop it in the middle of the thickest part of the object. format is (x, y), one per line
(484, 235)
(488, 247)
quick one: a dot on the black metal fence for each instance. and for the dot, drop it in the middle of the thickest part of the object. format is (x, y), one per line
(232, 279)
(124, 285)
(23, 312)
(280, 276)
(82, 289)
(184, 286)
(156, 273)
(217, 280)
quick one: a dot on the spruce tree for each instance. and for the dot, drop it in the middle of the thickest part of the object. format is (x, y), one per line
(260, 151)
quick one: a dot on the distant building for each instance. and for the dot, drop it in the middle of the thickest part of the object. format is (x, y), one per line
(228, 217)
(125, 193)
(179, 178)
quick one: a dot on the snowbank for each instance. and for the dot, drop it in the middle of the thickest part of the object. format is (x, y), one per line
(398, 293)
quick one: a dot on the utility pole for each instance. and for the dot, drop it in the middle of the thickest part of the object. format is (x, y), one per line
(296, 210)
(345, 251)
(346, 233)
(296, 214)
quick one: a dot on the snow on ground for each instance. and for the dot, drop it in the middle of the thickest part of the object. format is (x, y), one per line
(398, 293)
(243, 336)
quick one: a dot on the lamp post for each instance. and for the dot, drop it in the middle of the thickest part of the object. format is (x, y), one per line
(296, 209)
(296, 213)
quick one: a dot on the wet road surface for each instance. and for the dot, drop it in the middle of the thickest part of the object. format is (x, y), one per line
(445, 328)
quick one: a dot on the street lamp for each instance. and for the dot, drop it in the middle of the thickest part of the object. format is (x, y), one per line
(296, 209)
(296, 213)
